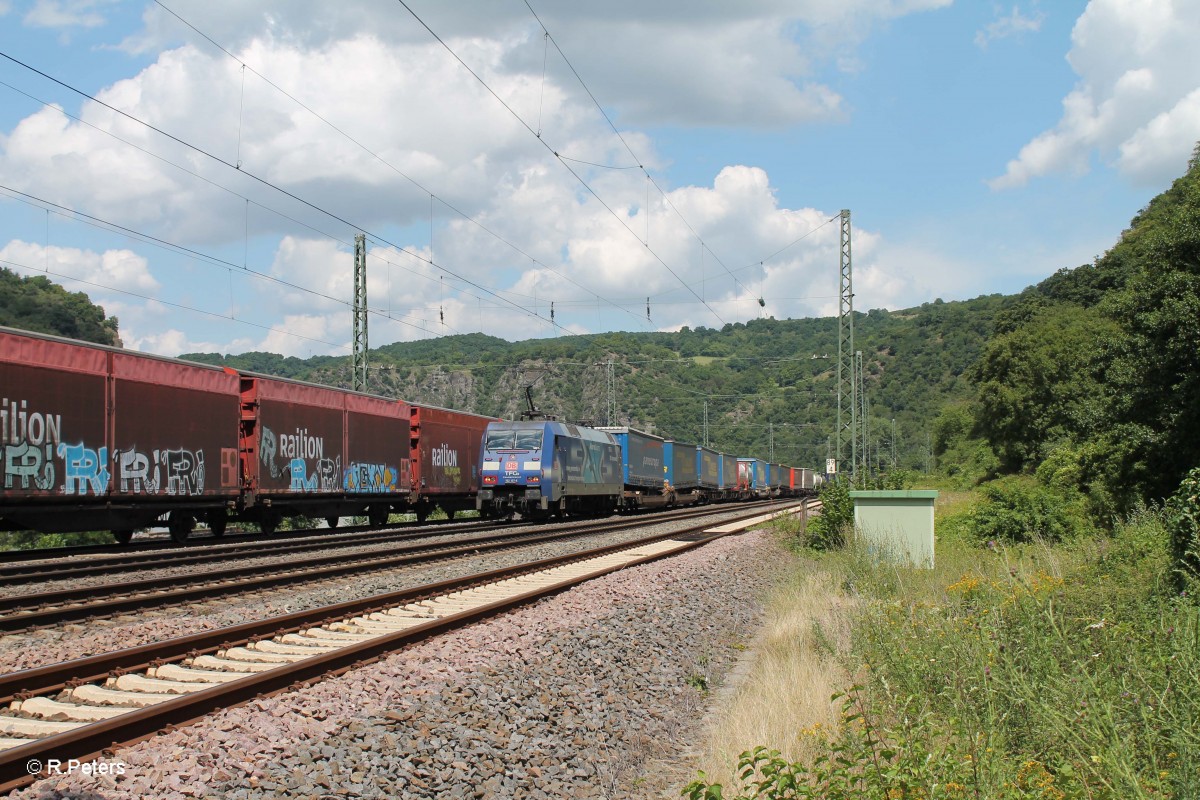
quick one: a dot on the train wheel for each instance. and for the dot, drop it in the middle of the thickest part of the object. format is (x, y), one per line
(378, 516)
(217, 521)
(333, 521)
(123, 536)
(269, 522)
(449, 513)
(180, 525)
(422, 513)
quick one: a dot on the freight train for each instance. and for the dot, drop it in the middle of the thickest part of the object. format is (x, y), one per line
(98, 438)
(541, 468)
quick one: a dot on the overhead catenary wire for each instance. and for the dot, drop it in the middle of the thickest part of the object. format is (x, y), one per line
(264, 182)
(421, 187)
(566, 166)
(85, 282)
(788, 246)
(165, 244)
(498, 294)
(622, 139)
(638, 161)
(215, 185)
(594, 164)
(249, 201)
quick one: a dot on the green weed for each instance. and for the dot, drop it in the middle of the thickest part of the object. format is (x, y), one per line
(1027, 671)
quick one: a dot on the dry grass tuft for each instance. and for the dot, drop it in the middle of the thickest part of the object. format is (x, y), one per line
(795, 669)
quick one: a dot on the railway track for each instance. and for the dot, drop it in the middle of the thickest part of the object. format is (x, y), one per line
(42, 609)
(79, 709)
(25, 573)
(201, 541)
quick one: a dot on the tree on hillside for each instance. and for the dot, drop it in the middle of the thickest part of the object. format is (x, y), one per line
(40, 305)
(1157, 366)
(1043, 383)
(1105, 361)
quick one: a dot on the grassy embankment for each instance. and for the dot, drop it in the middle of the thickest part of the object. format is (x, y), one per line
(1021, 671)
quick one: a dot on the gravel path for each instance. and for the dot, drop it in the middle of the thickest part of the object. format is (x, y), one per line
(77, 640)
(577, 695)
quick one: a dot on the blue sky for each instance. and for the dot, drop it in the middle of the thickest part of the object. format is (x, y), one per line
(979, 146)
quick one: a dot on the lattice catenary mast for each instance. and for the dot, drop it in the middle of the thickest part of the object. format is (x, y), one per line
(847, 386)
(610, 385)
(358, 360)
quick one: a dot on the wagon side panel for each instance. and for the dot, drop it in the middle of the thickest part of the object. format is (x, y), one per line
(174, 431)
(377, 447)
(54, 442)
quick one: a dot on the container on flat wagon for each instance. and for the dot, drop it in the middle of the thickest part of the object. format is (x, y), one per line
(378, 454)
(805, 479)
(643, 457)
(752, 473)
(445, 453)
(708, 468)
(777, 476)
(680, 459)
(729, 471)
(745, 473)
(293, 437)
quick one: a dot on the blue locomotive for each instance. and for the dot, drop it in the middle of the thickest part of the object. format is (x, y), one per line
(541, 468)
(544, 468)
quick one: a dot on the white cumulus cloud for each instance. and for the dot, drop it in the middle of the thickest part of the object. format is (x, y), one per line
(112, 270)
(510, 228)
(1135, 103)
(67, 13)
(1013, 24)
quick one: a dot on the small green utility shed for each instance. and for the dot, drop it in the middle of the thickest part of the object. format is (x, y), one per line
(896, 525)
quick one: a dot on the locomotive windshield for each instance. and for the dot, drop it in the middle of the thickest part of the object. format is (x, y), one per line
(529, 440)
(500, 440)
(514, 440)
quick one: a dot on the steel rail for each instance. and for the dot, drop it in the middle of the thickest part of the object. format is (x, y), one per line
(96, 738)
(15, 567)
(201, 541)
(51, 608)
(159, 559)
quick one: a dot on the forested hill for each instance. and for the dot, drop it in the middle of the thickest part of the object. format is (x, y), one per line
(1093, 377)
(764, 380)
(37, 304)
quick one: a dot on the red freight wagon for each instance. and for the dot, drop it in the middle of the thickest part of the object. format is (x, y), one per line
(95, 437)
(174, 439)
(317, 451)
(378, 469)
(446, 447)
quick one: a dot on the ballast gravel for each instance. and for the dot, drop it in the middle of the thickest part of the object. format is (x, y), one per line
(577, 695)
(32, 649)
